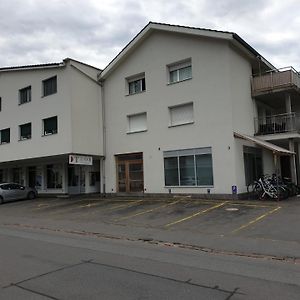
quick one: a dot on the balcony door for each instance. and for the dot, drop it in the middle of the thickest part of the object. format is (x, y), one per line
(130, 173)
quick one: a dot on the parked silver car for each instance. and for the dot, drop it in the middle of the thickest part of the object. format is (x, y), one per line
(14, 191)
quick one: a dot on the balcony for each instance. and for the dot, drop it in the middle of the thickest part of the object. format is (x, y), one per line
(276, 81)
(283, 123)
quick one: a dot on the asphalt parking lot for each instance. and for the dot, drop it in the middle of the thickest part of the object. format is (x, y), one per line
(250, 218)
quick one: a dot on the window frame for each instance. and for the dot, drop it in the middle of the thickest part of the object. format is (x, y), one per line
(28, 95)
(49, 133)
(1, 132)
(44, 82)
(177, 67)
(28, 137)
(133, 79)
(188, 153)
(170, 108)
(135, 115)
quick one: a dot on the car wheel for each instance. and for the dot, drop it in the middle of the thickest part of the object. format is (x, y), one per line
(31, 195)
(1, 200)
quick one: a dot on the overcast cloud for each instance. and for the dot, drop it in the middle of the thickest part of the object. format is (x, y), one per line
(94, 31)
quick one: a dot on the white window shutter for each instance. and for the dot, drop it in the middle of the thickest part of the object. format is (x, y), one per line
(182, 114)
(137, 122)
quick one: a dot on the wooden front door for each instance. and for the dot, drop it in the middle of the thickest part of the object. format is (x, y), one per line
(130, 173)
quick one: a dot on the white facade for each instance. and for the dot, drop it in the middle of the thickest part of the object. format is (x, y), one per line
(75, 103)
(160, 118)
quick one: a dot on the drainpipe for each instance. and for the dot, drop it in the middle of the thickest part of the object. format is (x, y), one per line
(101, 82)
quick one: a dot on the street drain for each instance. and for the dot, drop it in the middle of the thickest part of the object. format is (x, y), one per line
(231, 209)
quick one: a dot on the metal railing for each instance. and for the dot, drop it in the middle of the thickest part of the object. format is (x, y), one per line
(275, 79)
(288, 122)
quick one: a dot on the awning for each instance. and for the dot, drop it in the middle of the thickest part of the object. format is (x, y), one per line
(274, 148)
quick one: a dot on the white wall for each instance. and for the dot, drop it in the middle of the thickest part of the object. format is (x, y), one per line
(210, 90)
(13, 114)
(86, 115)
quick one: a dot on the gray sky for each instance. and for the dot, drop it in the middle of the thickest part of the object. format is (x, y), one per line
(94, 31)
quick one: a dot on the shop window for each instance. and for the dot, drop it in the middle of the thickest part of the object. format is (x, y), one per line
(94, 178)
(54, 176)
(73, 178)
(253, 164)
(17, 175)
(191, 167)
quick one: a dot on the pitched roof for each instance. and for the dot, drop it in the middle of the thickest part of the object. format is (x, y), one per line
(45, 66)
(196, 31)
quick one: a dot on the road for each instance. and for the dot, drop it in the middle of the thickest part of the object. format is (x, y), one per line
(45, 264)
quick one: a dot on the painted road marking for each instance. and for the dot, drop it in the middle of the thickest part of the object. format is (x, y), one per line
(257, 219)
(201, 212)
(146, 211)
(132, 203)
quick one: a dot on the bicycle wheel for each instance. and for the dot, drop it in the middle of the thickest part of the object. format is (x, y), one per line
(255, 190)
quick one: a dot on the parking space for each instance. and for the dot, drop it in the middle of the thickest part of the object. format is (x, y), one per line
(206, 216)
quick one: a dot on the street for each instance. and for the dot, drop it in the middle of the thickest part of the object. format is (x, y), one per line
(71, 249)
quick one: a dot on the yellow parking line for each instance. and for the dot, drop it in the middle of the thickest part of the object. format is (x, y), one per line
(104, 208)
(256, 220)
(196, 214)
(132, 203)
(146, 211)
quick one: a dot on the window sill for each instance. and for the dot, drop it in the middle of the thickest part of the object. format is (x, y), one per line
(137, 93)
(24, 139)
(4, 143)
(176, 125)
(24, 103)
(48, 134)
(171, 83)
(44, 96)
(132, 132)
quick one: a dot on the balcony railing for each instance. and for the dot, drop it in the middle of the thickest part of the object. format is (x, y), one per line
(282, 123)
(275, 80)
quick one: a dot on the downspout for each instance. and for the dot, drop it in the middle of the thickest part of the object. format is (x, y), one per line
(101, 83)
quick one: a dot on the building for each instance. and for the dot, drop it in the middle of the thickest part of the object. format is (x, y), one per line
(180, 114)
(49, 112)
(179, 110)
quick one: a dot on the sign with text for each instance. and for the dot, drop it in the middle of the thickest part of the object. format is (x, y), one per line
(80, 160)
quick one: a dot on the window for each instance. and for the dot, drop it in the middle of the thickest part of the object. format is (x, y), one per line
(54, 176)
(180, 71)
(181, 114)
(5, 136)
(50, 125)
(137, 123)
(17, 175)
(136, 84)
(25, 95)
(253, 164)
(50, 86)
(191, 167)
(25, 131)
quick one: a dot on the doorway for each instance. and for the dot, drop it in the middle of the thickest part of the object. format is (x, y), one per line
(32, 177)
(130, 173)
(285, 166)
